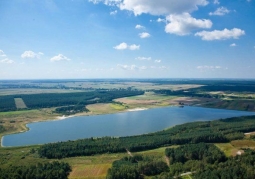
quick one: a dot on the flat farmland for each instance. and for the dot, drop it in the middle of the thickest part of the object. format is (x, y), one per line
(4, 92)
(20, 103)
(89, 171)
(150, 100)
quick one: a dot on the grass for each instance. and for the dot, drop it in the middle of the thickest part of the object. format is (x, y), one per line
(20, 103)
(227, 148)
(243, 144)
(118, 106)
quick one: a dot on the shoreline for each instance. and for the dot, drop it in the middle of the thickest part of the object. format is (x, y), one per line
(63, 117)
(136, 109)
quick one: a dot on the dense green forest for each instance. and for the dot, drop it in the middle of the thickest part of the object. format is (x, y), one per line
(210, 131)
(46, 100)
(136, 167)
(7, 103)
(201, 160)
(54, 170)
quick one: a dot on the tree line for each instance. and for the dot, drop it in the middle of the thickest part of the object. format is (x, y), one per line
(136, 167)
(54, 170)
(46, 100)
(210, 131)
(201, 160)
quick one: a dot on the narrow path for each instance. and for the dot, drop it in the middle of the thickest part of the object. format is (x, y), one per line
(129, 153)
(167, 161)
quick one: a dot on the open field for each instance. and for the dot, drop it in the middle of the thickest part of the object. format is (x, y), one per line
(243, 144)
(150, 100)
(227, 148)
(4, 92)
(20, 103)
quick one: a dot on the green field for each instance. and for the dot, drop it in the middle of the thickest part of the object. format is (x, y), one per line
(20, 103)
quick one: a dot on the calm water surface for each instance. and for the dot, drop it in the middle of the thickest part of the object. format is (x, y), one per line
(120, 124)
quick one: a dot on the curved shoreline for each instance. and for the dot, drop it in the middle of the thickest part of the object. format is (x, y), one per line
(58, 118)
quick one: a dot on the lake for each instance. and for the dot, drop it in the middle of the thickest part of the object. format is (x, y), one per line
(120, 124)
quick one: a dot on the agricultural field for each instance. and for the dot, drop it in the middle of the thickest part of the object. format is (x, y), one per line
(20, 103)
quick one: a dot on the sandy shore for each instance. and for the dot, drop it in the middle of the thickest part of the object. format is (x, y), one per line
(137, 109)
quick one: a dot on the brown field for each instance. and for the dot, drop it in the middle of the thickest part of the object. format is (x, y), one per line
(227, 148)
(243, 144)
(89, 171)
(20, 103)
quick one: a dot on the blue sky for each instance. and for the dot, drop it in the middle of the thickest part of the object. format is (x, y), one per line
(60, 39)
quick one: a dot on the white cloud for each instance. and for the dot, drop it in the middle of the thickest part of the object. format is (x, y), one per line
(134, 47)
(59, 57)
(2, 54)
(183, 24)
(138, 26)
(161, 7)
(121, 46)
(6, 60)
(114, 12)
(143, 58)
(107, 2)
(161, 20)
(208, 67)
(233, 45)
(124, 46)
(221, 11)
(144, 35)
(216, 2)
(31, 54)
(157, 61)
(221, 34)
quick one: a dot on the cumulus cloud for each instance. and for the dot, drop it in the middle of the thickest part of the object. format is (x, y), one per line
(221, 11)
(233, 45)
(2, 54)
(138, 26)
(161, 7)
(161, 20)
(6, 60)
(216, 2)
(59, 57)
(125, 46)
(114, 12)
(144, 35)
(183, 24)
(157, 61)
(121, 46)
(31, 54)
(143, 58)
(221, 34)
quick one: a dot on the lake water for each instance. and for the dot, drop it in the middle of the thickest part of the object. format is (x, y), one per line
(120, 124)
